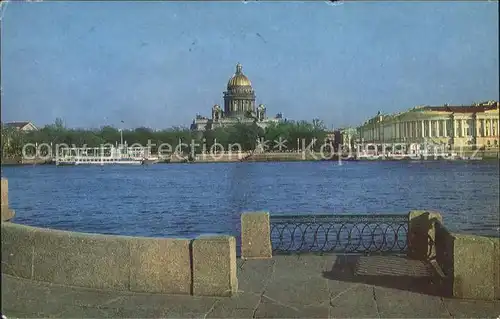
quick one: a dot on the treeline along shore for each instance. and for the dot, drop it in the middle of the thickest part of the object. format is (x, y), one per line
(288, 141)
(283, 137)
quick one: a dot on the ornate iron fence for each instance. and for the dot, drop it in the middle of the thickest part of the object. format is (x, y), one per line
(339, 233)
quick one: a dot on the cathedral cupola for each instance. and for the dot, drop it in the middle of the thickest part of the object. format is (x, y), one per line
(239, 99)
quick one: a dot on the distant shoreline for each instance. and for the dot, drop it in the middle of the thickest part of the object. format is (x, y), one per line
(287, 157)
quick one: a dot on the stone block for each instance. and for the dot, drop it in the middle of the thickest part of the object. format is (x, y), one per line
(496, 242)
(4, 189)
(82, 260)
(214, 266)
(17, 250)
(160, 265)
(474, 267)
(421, 234)
(7, 214)
(256, 236)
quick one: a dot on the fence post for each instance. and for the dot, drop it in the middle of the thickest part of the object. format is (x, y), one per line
(6, 213)
(256, 236)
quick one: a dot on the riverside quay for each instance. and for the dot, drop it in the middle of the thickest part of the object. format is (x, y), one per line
(293, 266)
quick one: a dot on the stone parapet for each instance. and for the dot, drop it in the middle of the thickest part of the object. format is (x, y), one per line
(474, 267)
(206, 266)
(255, 236)
(214, 266)
(496, 242)
(470, 264)
(76, 259)
(159, 265)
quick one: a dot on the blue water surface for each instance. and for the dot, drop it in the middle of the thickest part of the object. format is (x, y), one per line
(186, 200)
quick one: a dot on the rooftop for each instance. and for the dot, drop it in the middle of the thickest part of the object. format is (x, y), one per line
(461, 108)
(19, 125)
(473, 108)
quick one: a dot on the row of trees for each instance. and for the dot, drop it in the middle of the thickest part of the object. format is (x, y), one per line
(285, 136)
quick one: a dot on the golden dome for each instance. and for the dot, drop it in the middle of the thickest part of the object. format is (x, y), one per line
(238, 79)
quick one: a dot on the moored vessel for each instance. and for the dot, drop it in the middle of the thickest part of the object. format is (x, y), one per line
(119, 155)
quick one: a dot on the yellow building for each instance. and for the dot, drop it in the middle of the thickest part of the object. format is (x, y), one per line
(456, 126)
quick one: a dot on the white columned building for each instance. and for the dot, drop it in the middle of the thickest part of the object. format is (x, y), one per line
(454, 126)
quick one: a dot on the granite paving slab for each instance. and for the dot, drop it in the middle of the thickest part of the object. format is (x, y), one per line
(293, 286)
(243, 305)
(254, 275)
(352, 300)
(395, 303)
(459, 308)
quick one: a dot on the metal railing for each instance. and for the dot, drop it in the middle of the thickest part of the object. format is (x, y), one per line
(365, 233)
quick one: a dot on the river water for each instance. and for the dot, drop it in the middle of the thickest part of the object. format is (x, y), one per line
(186, 200)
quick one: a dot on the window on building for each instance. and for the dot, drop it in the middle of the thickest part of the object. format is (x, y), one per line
(440, 128)
(449, 127)
(470, 127)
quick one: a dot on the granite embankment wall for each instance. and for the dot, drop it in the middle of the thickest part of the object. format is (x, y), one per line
(468, 265)
(203, 266)
(20, 161)
(248, 157)
(299, 156)
(261, 157)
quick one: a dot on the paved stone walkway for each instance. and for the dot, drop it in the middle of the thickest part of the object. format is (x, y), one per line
(305, 286)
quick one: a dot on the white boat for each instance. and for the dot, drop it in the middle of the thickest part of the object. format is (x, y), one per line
(470, 158)
(150, 160)
(369, 156)
(120, 155)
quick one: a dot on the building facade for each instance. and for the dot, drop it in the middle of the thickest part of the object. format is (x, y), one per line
(455, 126)
(22, 126)
(239, 107)
(343, 138)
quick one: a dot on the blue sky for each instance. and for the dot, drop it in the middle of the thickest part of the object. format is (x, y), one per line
(158, 64)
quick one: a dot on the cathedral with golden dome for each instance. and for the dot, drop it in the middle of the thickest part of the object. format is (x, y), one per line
(239, 107)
